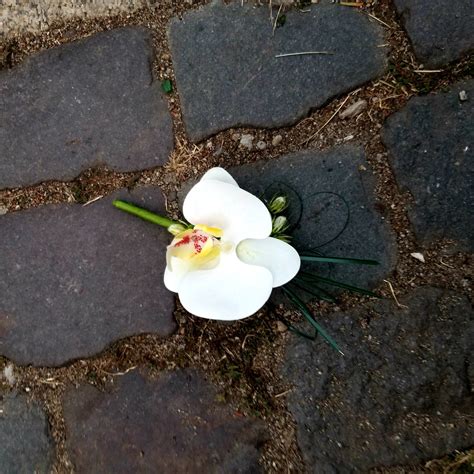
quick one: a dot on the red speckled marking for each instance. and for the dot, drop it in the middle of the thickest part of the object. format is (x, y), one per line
(197, 238)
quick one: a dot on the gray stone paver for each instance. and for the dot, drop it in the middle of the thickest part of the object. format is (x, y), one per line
(227, 74)
(87, 103)
(76, 278)
(430, 142)
(440, 30)
(401, 395)
(26, 445)
(318, 183)
(171, 424)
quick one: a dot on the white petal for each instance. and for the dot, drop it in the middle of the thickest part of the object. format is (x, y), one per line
(172, 279)
(219, 174)
(232, 290)
(238, 213)
(280, 258)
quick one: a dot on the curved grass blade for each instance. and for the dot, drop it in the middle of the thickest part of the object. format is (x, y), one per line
(354, 261)
(294, 298)
(313, 290)
(296, 331)
(290, 326)
(339, 284)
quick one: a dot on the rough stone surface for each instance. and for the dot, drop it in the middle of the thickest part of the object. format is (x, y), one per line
(313, 179)
(401, 394)
(440, 30)
(227, 74)
(172, 424)
(75, 278)
(431, 144)
(88, 103)
(26, 446)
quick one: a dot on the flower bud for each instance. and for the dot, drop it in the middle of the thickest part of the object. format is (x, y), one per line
(279, 224)
(176, 228)
(278, 204)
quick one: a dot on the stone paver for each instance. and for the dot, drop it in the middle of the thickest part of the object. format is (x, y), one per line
(172, 424)
(75, 278)
(26, 445)
(88, 103)
(431, 145)
(440, 30)
(311, 178)
(401, 394)
(227, 74)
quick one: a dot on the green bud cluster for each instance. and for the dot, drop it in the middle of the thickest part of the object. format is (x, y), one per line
(278, 204)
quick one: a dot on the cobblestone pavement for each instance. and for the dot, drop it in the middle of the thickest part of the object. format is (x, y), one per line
(101, 368)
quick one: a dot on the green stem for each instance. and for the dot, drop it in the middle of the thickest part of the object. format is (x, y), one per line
(143, 214)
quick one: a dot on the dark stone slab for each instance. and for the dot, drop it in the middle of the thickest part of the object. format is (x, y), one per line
(172, 424)
(227, 74)
(326, 189)
(76, 278)
(26, 445)
(440, 30)
(87, 103)
(431, 144)
(401, 394)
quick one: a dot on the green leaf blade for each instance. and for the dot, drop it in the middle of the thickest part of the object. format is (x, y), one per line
(329, 281)
(350, 261)
(306, 313)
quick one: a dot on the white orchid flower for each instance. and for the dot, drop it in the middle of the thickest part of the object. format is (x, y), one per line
(226, 266)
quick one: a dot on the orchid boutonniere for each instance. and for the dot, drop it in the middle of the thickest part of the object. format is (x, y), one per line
(224, 264)
(232, 250)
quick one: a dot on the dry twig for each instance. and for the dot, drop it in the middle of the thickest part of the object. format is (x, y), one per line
(276, 20)
(92, 200)
(302, 53)
(379, 20)
(394, 296)
(304, 142)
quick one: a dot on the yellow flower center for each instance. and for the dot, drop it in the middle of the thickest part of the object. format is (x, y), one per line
(199, 246)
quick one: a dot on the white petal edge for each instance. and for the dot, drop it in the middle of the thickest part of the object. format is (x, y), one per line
(219, 174)
(280, 258)
(173, 279)
(237, 212)
(233, 290)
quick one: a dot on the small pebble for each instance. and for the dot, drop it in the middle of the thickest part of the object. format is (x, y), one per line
(236, 137)
(355, 109)
(419, 256)
(463, 96)
(261, 145)
(281, 327)
(9, 375)
(246, 141)
(3, 210)
(277, 140)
